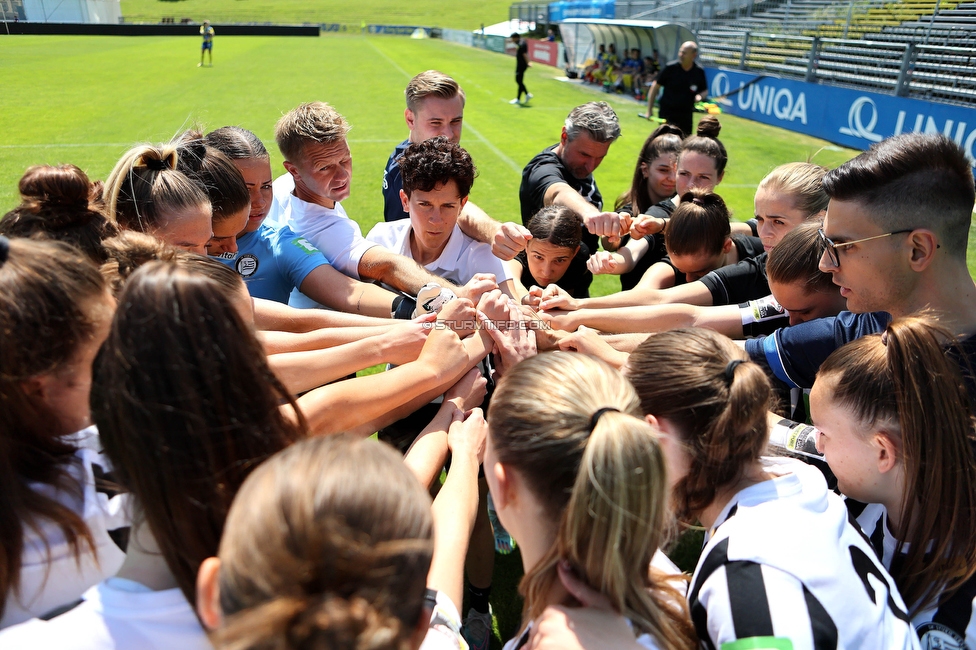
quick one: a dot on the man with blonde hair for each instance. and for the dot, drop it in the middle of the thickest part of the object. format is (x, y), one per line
(312, 139)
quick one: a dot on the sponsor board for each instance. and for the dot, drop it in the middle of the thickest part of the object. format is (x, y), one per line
(852, 118)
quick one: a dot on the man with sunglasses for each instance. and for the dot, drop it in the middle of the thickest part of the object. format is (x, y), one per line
(895, 239)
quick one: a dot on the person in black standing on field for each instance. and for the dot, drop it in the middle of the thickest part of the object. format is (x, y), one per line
(521, 65)
(684, 84)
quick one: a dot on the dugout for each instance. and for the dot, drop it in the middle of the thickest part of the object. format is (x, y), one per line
(582, 36)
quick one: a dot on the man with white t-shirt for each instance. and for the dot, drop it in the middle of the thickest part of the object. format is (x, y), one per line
(437, 177)
(312, 139)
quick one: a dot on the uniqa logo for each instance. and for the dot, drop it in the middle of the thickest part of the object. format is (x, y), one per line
(864, 107)
(855, 121)
(763, 99)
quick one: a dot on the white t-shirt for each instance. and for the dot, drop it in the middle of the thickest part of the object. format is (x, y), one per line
(330, 230)
(460, 260)
(784, 566)
(50, 575)
(115, 615)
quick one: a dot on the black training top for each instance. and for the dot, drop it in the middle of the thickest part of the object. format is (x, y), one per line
(520, 56)
(740, 282)
(681, 86)
(547, 169)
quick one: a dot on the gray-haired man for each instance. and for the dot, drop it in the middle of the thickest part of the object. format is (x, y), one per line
(563, 173)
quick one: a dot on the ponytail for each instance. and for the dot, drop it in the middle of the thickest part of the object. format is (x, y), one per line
(717, 399)
(903, 380)
(571, 427)
(145, 189)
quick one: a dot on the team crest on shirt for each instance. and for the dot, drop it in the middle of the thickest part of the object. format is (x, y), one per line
(935, 636)
(247, 265)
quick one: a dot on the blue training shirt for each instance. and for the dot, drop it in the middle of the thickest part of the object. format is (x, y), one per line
(392, 184)
(794, 354)
(273, 260)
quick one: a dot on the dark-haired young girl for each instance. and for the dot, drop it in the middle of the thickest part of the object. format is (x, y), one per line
(783, 566)
(556, 254)
(186, 407)
(896, 428)
(54, 522)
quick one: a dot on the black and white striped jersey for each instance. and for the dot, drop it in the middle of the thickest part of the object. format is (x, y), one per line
(785, 568)
(948, 626)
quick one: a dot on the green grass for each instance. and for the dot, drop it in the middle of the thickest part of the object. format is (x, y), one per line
(85, 100)
(464, 14)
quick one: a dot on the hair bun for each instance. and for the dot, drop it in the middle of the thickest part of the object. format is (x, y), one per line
(709, 127)
(65, 186)
(330, 622)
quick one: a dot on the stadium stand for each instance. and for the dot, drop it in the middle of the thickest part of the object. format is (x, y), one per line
(925, 50)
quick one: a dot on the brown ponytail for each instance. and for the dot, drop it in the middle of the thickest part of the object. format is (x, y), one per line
(690, 378)
(903, 380)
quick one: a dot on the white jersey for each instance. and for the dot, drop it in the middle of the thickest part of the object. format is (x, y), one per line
(50, 575)
(784, 567)
(949, 626)
(115, 615)
(330, 230)
(460, 260)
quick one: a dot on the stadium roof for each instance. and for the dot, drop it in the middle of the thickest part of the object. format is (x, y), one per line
(581, 36)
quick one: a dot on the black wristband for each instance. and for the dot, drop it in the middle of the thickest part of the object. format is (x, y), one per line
(403, 307)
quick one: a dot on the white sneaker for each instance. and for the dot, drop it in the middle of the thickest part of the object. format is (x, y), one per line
(515, 101)
(528, 96)
(431, 298)
(477, 629)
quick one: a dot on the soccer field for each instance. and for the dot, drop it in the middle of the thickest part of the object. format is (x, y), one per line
(85, 100)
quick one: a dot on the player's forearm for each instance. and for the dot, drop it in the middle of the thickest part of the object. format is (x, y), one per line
(454, 511)
(347, 404)
(564, 195)
(302, 371)
(428, 453)
(320, 339)
(271, 315)
(397, 271)
(475, 223)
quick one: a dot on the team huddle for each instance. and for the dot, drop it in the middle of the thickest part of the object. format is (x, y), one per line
(186, 456)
